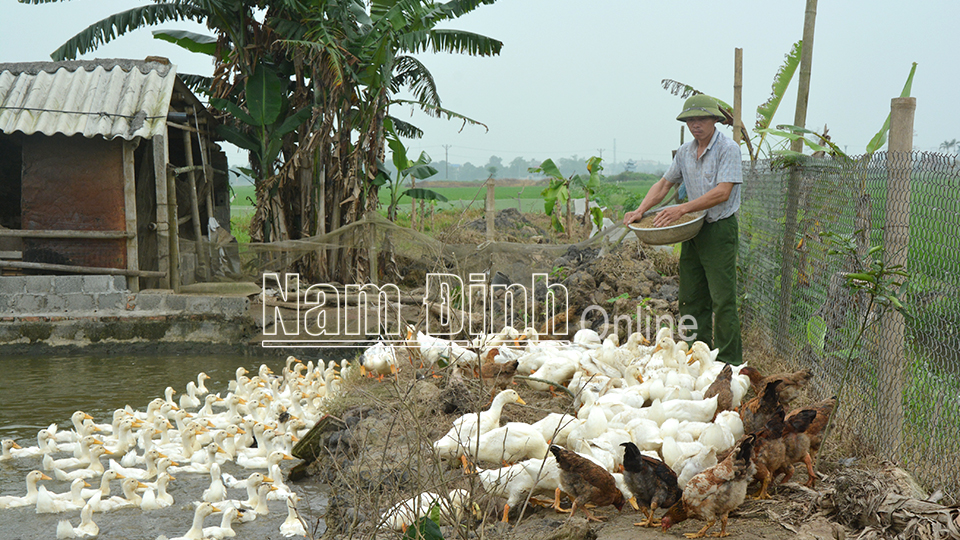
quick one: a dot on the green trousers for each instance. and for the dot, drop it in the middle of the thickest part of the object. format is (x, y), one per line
(708, 288)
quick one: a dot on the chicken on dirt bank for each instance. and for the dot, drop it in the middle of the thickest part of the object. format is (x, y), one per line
(712, 494)
(586, 482)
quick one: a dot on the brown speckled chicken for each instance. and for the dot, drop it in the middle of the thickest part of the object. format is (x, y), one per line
(790, 383)
(651, 481)
(586, 482)
(712, 494)
(496, 375)
(759, 410)
(720, 387)
(813, 433)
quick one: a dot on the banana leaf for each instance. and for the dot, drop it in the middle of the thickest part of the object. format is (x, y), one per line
(880, 138)
(190, 41)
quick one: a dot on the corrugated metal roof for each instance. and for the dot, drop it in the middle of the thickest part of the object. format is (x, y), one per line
(110, 98)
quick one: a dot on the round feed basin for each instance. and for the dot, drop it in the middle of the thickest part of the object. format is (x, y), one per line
(669, 235)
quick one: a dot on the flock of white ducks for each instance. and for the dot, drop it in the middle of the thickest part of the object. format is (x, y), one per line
(145, 450)
(649, 395)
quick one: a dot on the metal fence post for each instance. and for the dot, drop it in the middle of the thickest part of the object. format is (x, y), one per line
(896, 241)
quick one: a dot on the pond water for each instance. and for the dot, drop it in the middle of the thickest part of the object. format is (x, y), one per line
(38, 391)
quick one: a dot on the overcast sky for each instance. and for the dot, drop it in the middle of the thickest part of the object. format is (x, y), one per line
(583, 77)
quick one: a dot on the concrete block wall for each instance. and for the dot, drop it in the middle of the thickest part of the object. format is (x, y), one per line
(62, 295)
(104, 296)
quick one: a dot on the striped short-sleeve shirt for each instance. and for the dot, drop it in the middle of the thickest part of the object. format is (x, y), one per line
(720, 162)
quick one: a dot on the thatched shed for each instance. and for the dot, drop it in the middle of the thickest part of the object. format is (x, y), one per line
(107, 167)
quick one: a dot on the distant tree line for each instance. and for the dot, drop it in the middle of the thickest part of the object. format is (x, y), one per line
(519, 167)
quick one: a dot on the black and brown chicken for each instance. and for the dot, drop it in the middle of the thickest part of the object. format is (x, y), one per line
(586, 482)
(651, 481)
(756, 412)
(790, 383)
(811, 437)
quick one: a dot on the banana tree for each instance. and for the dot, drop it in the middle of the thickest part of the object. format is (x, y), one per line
(268, 118)
(590, 185)
(557, 193)
(419, 169)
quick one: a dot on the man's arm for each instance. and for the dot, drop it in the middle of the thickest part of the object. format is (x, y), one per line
(656, 194)
(709, 199)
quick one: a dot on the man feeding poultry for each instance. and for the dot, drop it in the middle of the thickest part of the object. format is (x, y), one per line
(709, 167)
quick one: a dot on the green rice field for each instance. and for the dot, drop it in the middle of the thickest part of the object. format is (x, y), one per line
(524, 198)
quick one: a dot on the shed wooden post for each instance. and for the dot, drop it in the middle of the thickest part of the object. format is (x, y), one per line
(130, 214)
(173, 217)
(202, 259)
(163, 209)
(896, 243)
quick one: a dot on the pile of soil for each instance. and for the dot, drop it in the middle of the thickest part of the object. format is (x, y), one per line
(510, 225)
(623, 280)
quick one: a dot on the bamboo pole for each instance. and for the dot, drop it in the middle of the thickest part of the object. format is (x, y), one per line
(202, 261)
(737, 94)
(163, 211)
(490, 205)
(81, 269)
(793, 183)
(896, 242)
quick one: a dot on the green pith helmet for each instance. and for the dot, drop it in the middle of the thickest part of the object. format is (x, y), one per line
(700, 105)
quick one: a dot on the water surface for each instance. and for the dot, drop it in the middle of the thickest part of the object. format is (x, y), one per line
(38, 391)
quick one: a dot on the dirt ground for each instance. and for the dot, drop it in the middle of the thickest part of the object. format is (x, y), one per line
(380, 453)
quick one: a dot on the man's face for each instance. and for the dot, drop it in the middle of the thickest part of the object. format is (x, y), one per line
(701, 126)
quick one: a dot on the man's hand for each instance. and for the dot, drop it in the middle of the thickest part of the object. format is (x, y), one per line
(630, 217)
(667, 216)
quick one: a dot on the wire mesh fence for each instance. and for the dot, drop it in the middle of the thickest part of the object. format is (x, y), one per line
(819, 249)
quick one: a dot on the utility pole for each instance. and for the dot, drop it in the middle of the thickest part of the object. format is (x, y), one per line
(446, 161)
(601, 152)
(614, 151)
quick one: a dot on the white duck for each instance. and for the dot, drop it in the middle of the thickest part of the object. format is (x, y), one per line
(555, 427)
(225, 529)
(510, 443)
(55, 503)
(130, 498)
(104, 488)
(190, 400)
(467, 428)
(196, 530)
(379, 360)
(6, 446)
(86, 527)
(201, 387)
(207, 458)
(292, 526)
(160, 499)
(10, 501)
(150, 460)
(405, 513)
(95, 468)
(511, 482)
(274, 471)
(217, 491)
